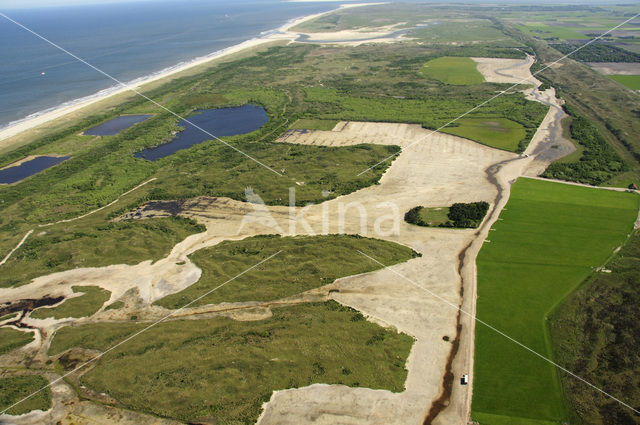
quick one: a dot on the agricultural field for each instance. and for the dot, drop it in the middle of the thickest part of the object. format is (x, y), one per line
(631, 81)
(549, 238)
(453, 70)
(469, 31)
(305, 263)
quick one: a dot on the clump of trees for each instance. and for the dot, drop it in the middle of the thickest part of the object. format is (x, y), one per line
(598, 163)
(461, 215)
(597, 52)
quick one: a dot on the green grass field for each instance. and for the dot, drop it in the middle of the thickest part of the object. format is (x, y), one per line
(16, 388)
(10, 339)
(631, 81)
(549, 31)
(549, 238)
(453, 70)
(91, 300)
(499, 133)
(458, 32)
(435, 216)
(305, 263)
(221, 371)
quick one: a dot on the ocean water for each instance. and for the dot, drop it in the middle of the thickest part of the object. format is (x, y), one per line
(127, 40)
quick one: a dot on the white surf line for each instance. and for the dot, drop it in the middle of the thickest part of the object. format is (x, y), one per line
(24, 238)
(130, 87)
(474, 317)
(98, 209)
(593, 40)
(129, 338)
(73, 219)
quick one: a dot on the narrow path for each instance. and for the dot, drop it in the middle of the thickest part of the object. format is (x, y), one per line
(24, 238)
(71, 219)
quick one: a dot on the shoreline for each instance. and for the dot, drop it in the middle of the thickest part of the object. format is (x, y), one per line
(38, 118)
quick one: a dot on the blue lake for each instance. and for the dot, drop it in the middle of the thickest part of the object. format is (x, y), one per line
(116, 125)
(219, 122)
(29, 168)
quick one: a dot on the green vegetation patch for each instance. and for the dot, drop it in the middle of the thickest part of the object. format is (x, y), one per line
(460, 215)
(551, 32)
(94, 242)
(311, 124)
(458, 32)
(14, 389)
(596, 52)
(221, 371)
(499, 133)
(631, 81)
(453, 70)
(10, 339)
(595, 334)
(306, 262)
(114, 306)
(549, 238)
(87, 304)
(598, 162)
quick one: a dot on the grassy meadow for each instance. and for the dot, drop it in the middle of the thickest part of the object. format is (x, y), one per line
(15, 388)
(453, 70)
(222, 370)
(304, 263)
(87, 304)
(549, 238)
(499, 133)
(10, 339)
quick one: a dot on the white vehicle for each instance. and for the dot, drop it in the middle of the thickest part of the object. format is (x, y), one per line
(464, 380)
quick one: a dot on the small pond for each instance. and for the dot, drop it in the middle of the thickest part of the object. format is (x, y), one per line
(28, 168)
(219, 122)
(116, 125)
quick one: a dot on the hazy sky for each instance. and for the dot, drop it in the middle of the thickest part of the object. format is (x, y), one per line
(41, 3)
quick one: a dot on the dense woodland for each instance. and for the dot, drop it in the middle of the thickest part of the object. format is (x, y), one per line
(460, 215)
(597, 52)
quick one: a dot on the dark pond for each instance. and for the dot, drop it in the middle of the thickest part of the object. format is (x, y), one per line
(219, 122)
(29, 168)
(116, 125)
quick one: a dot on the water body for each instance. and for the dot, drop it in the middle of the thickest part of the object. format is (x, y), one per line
(219, 122)
(116, 125)
(29, 168)
(128, 40)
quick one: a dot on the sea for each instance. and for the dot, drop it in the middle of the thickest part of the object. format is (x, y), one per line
(127, 40)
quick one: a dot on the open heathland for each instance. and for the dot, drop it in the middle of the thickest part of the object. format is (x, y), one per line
(304, 263)
(222, 370)
(15, 388)
(549, 238)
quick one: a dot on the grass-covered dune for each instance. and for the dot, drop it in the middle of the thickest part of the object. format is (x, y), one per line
(549, 238)
(15, 388)
(10, 339)
(306, 262)
(222, 370)
(91, 300)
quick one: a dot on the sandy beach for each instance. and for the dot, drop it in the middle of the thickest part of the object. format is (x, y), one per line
(283, 33)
